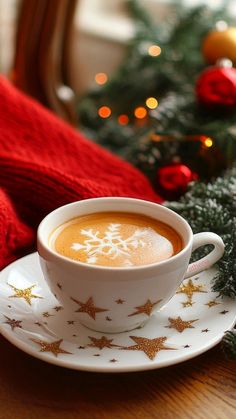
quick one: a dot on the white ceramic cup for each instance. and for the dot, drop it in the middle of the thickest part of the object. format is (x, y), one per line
(117, 299)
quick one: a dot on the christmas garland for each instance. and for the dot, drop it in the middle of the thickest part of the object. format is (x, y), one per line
(212, 207)
(190, 135)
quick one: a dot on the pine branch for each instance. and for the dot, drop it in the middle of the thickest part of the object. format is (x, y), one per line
(229, 344)
(212, 207)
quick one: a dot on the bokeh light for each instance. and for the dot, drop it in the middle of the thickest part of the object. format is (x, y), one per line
(123, 119)
(101, 78)
(154, 50)
(104, 112)
(208, 142)
(140, 112)
(151, 103)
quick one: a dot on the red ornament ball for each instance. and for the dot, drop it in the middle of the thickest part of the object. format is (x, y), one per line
(216, 87)
(174, 179)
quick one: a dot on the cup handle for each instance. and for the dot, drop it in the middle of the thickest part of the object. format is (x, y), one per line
(207, 261)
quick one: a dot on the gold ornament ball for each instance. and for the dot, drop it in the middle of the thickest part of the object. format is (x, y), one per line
(220, 44)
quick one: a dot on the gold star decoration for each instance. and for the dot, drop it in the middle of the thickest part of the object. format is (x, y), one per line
(189, 289)
(108, 319)
(88, 307)
(149, 346)
(53, 347)
(211, 303)
(145, 308)
(13, 323)
(187, 304)
(120, 301)
(58, 308)
(101, 343)
(47, 314)
(180, 325)
(25, 293)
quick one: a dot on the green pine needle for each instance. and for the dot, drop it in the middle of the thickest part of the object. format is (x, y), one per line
(229, 344)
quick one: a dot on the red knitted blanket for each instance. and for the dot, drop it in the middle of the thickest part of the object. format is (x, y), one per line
(44, 164)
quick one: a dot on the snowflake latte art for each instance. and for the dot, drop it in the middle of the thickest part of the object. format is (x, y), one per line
(116, 239)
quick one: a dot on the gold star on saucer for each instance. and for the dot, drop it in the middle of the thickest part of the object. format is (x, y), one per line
(205, 330)
(211, 303)
(58, 308)
(120, 301)
(189, 289)
(180, 325)
(25, 293)
(149, 346)
(53, 347)
(47, 314)
(88, 307)
(101, 343)
(13, 323)
(145, 309)
(187, 303)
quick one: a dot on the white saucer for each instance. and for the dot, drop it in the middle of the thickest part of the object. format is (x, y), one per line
(32, 319)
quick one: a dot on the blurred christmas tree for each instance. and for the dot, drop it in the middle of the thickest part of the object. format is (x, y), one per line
(171, 111)
(151, 112)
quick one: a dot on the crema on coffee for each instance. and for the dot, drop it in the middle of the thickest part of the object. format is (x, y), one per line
(116, 239)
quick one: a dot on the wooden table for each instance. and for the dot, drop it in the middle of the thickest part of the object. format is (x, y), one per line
(203, 388)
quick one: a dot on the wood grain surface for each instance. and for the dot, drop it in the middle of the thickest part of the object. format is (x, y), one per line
(203, 388)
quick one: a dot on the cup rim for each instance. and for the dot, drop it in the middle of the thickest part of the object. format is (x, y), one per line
(121, 269)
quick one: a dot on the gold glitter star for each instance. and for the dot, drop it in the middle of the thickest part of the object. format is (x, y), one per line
(47, 314)
(120, 301)
(224, 312)
(180, 325)
(53, 347)
(88, 308)
(101, 343)
(189, 289)
(211, 303)
(146, 308)
(149, 346)
(58, 308)
(108, 319)
(187, 303)
(25, 293)
(13, 323)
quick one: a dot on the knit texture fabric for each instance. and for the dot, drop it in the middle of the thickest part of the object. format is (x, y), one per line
(45, 163)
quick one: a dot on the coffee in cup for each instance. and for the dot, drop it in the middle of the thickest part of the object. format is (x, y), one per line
(116, 239)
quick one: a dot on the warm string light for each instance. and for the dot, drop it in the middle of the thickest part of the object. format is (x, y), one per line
(123, 119)
(101, 78)
(104, 111)
(154, 50)
(207, 141)
(151, 102)
(140, 112)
